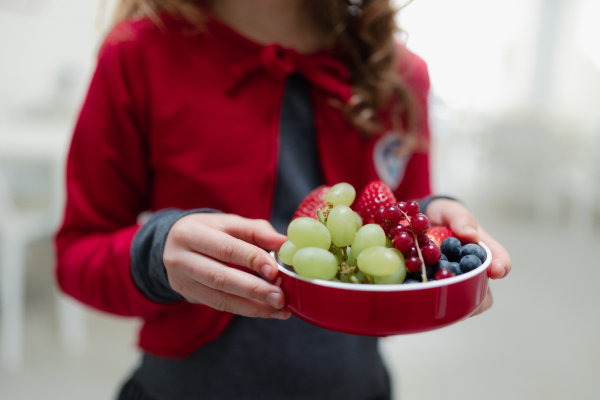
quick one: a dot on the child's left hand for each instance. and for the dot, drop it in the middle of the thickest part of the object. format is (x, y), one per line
(466, 228)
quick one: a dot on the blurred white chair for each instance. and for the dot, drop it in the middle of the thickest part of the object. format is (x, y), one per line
(18, 228)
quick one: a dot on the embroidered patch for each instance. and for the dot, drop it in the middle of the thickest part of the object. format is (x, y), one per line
(390, 159)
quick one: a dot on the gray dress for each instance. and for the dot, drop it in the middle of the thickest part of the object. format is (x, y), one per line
(259, 358)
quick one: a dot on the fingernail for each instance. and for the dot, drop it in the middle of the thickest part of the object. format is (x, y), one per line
(266, 270)
(496, 265)
(274, 299)
(279, 314)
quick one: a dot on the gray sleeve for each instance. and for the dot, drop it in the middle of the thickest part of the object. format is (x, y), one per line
(423, 203)
(147, 267)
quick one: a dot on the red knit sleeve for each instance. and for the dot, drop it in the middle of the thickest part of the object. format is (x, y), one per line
(107, 187)
(417, 178)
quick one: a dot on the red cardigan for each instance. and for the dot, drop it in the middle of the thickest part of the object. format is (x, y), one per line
(175, 119)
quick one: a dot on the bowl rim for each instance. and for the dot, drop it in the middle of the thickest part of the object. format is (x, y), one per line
(393, 287)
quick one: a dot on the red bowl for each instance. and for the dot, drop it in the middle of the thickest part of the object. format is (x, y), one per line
(384, 310)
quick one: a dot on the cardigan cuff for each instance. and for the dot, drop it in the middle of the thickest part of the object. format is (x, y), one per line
(147, 266)
(425, 202)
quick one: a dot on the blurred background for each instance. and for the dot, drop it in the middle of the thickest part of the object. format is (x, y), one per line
(515, 115)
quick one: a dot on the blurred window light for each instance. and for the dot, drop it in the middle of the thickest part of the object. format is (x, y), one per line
(589, 31)
(465, 43)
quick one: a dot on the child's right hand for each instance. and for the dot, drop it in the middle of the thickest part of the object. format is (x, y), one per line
(196, 254)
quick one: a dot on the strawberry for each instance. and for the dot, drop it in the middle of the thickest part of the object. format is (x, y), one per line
(312, 202)
(439, 233)
(374, 195)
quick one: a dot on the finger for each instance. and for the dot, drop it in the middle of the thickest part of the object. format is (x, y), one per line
(225, 248)
(501, 261)
(456, 216)
(486, 304)
(255, 231)
(220, 277)
(196, 292)
(462, 223)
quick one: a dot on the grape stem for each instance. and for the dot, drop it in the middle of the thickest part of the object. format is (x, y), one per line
(328, 207)
(320, 216)
(423, 270)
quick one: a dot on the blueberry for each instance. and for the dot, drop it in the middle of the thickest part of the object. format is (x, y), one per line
(451, 248)
(431, 270)
(454, 268)
(469, 263)
(413, 276)
(444, 257)
(409, 281)
(472, 249)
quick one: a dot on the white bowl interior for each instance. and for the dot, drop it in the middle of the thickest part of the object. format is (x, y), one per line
(284, 268)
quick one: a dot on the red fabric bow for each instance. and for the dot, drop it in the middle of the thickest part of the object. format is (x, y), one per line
(319, 69)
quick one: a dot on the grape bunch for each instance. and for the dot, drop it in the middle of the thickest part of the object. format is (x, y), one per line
(330, 241)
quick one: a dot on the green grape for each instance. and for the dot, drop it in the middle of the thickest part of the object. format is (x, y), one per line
(396, 277)
(341, 225)
(368, 236)
(342, 193)
(307, 232)
(287, 251)
(351, 261)
(388, 243)
(345, 278)
(378, 261)
(315, 263)
(358, 219)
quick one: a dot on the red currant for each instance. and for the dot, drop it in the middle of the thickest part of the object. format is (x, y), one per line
(413, 264)
(401, 206)
(423, 239)
(420, 223)
(431, 254)
(443, 273)
(392, 214)
(378, 215)
(412, 252)
(397, 229)
(412, 208)
(403, 241)
(385, 227)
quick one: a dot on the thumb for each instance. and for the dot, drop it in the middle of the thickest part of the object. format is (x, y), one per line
(464, 227)
(456, 216)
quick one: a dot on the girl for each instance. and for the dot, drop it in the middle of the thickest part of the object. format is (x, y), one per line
(218, 117)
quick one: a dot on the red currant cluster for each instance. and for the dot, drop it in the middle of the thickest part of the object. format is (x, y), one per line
(407, 228)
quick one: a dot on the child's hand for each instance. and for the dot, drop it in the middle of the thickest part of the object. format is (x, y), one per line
(196, 254)
(466, 228)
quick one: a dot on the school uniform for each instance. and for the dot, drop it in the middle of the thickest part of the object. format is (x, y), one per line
(177, 120)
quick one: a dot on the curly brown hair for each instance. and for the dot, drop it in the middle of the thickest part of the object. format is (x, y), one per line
(364, 30)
